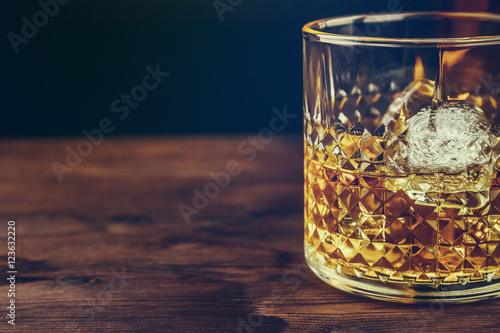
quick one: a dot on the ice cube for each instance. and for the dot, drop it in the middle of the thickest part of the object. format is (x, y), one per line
(442, 156)
(450, 138)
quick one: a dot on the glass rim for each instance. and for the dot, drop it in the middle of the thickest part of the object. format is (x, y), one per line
(312, 30)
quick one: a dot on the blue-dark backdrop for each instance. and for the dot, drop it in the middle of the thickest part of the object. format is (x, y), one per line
(228, 66)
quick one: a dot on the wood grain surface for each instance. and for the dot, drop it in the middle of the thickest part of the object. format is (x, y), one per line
(107, 249)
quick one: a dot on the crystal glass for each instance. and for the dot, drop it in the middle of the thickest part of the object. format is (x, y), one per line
(401, 142)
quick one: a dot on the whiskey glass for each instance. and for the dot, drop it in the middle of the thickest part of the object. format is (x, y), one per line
(401, 145)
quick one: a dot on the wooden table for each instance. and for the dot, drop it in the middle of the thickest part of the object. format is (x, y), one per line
(107, 249)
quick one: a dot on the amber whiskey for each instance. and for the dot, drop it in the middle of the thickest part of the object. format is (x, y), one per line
(366, 219)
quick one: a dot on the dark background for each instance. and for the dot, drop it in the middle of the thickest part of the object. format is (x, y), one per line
(225, 76)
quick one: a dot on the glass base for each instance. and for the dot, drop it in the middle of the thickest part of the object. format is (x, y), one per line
(402, 292)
